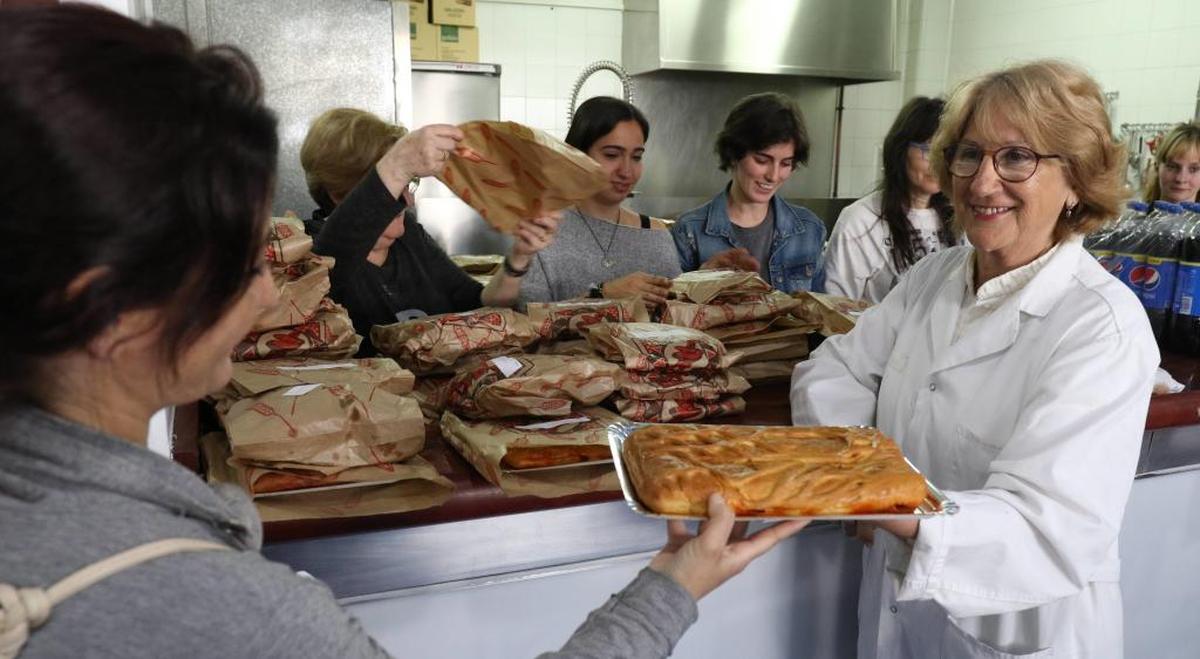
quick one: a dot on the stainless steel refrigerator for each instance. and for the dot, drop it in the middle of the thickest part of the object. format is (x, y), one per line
(452, 93)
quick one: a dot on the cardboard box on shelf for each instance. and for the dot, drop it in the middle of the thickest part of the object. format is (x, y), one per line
(423, 40)
(457, 44)
(418, 11)
(452, 12)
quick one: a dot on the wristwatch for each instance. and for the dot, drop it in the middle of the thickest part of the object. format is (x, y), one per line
(596, 291)
(512, 271)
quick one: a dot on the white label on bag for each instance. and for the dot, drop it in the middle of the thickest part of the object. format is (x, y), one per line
(507, 365)
(300, 390)
(547, 425)
(318, 367)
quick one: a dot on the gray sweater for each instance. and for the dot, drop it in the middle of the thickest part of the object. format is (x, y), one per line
(575, 261)
(70, 496)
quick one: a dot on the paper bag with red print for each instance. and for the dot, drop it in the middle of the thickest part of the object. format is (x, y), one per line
(835, 314)
(433, 343)
(508, 172)
(704, 286)
(287, 242)
(505, 451)
(742, 309)
(654, 346)
(531, 385)
(339, 425)
(329, 334)
(571, 319)
(256, 377)
(301, 286)
(395, 488)
(680, 385)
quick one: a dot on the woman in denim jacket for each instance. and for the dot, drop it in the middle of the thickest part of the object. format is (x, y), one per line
(747, 226)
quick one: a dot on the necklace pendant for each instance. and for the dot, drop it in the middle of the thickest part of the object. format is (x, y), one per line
(608, 263)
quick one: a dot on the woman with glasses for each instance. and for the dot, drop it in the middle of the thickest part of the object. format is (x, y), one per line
(1015, 373)
(1177, 166)
(878, 237)
(360, 171)
(748, 225)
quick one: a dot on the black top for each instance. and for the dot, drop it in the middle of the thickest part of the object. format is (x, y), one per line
(417, 276)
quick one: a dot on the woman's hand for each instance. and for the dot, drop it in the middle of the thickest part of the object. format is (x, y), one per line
(533, 236)
(422, 152)
(737, 258)
(701, 563)
(652, 288)
(906, 529)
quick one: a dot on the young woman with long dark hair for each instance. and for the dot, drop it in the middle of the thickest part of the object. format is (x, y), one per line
(879, 237)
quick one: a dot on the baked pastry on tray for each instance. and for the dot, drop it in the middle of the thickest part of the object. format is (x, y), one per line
(771, 472)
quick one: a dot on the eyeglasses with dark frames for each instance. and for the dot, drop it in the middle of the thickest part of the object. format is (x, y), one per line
(1012, 163)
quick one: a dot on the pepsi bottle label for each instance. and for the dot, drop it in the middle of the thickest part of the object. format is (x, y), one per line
(1156, 282)
(1187, 289)
(1122, 267)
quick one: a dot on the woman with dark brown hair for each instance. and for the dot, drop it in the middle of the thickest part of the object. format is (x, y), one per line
(877, 238)
(134, 197)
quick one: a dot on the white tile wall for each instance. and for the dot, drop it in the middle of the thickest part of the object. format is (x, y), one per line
(1147, 50)
(541, 50)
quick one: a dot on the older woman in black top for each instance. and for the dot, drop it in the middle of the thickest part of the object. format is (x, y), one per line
(387, 267)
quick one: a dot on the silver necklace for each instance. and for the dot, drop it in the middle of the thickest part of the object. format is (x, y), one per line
(605, 259)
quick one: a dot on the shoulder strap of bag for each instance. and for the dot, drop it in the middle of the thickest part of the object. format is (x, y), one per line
(25, 609)
(645, 220)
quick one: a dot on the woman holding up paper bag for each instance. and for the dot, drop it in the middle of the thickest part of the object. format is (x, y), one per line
(129, 281)
(361, 170)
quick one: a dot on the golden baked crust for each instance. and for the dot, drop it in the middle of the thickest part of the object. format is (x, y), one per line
(534, 457)
(770, 472)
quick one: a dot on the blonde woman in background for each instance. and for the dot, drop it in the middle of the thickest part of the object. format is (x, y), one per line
(1176, 166)
(388, 269)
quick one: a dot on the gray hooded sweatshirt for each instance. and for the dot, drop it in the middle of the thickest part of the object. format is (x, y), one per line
(70, 496)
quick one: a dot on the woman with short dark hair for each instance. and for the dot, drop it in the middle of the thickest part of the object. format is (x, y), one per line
(877, 238)
(748, 225)
(132, 231)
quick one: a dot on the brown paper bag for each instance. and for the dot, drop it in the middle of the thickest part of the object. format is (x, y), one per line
(509, 172)
(571, 319)
(436, 342)
(478, 264)
(703, 286)
(301, 286)
(670, 411)
(287, 242)
(834, 314)
(256, 377)
(746, 308)
(756, 330)
(329, 334)
(531, 385)
(414, 485)
(485, 445)
(680, 385)
(655, 346)
(343, 425)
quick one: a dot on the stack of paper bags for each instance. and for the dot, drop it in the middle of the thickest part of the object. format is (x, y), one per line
(671, 373)
(751, 320)
(338, 433)
(306, 322)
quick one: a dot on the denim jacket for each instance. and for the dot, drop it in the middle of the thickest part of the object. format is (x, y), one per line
(795, 262)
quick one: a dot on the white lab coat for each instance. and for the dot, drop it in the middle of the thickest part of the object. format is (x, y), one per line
(1032, 421)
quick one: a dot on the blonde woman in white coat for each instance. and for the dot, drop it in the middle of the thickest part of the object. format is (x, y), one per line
(1015, 373)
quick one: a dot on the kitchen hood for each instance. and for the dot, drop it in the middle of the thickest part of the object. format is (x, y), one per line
(853, 40)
